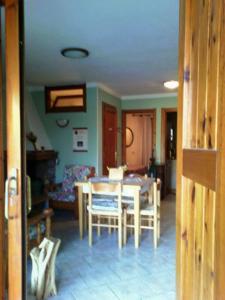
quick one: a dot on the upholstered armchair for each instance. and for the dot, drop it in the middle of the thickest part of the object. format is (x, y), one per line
(64, 195)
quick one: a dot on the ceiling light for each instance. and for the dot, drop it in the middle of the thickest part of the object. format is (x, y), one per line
(171, 84)
(75, 53)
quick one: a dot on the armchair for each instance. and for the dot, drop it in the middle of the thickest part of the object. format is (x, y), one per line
(64, 195)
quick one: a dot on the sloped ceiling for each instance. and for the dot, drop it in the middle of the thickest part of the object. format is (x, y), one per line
(133, 44)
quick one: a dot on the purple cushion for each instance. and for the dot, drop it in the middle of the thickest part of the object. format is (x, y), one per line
(62, 196)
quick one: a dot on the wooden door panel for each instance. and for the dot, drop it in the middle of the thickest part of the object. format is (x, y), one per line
(14, 102)
(201, 152)
(213, 72)
(2, 229)
(109, 147)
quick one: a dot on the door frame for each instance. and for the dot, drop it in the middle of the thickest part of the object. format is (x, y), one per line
(114, 110)
(164, 112)
(129, 111)
(2, 176)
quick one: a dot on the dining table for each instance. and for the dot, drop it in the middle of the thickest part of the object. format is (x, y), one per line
(132, 189)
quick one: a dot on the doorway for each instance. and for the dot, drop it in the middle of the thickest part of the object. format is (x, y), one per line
(138, 139)
(168, 147)
(109, 137)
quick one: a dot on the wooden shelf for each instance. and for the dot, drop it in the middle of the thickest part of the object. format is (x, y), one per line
(42, 155)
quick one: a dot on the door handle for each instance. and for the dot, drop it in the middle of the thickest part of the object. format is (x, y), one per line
(28, 191)
(11, 189)
(6, 199)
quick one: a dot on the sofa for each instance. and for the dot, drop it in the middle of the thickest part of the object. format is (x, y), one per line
(64, 195)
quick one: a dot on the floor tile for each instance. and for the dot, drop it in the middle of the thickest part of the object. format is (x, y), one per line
(105, 272)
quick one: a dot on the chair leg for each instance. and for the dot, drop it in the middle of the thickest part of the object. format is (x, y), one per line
(110, 228)
(90, 229)
(132, 222)
(114, 223)
(120, 231)
(48, 227)
(158, 228)
(98, 228)
(86, 220)
(155, 233)
(125, 227)
(38, 233)
(85, 216)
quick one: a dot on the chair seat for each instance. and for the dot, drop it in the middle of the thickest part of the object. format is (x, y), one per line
(130, 207)
(103, 204)
(130, 200)
(147, 210)
(62, 196)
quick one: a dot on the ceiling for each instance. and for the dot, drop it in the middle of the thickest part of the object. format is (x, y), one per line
(133, 44)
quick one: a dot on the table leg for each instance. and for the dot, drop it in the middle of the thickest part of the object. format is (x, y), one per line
(80, 204)
(136, 219)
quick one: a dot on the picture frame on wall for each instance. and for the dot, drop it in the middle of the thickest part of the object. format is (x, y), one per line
(80, 139)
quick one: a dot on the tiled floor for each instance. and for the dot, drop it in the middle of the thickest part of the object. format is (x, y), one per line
(105, 272)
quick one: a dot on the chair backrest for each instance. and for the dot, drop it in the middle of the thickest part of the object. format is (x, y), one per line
(107, 189)
(115, 173)
(157, 194)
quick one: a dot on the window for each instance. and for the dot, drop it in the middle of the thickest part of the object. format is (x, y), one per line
(65, 99)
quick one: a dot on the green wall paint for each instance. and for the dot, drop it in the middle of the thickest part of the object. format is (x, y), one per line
(61, 138)
(103, 96)
(158, 104)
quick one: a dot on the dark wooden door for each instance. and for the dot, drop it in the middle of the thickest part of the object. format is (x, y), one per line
(109, 137)
(201, 151)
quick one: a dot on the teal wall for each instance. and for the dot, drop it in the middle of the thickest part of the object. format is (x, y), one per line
(62, 139)
(33, 123)
(151, 103)
(106, 97)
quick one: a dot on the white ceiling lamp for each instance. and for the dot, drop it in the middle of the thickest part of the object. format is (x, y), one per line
(171, 84)
(75, 53)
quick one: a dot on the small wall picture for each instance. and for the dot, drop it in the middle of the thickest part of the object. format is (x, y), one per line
(80, 139)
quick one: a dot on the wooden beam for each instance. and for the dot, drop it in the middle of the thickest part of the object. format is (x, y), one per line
(200, 166)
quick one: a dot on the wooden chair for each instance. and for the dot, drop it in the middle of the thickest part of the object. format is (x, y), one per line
(38, 223)
(38, 227)
(149, 213)
(105, 208)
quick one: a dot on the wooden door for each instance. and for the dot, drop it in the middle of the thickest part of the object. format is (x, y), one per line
(2, 229)
(109, 137)
(168, 148)
(15, 149)
(201, 151)
(152, 115)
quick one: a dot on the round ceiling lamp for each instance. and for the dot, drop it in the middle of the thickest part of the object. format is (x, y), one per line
(75, 53)
(171, 84)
